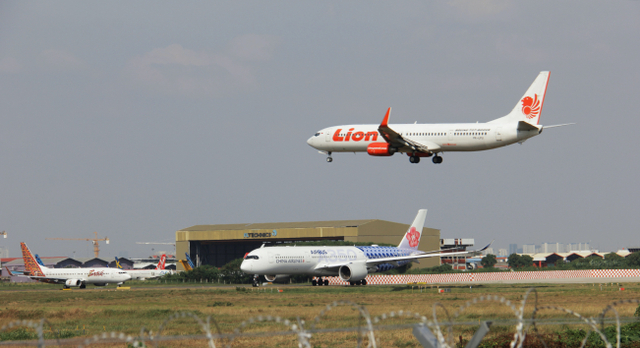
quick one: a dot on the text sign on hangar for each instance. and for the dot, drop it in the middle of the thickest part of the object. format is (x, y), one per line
(273, 233)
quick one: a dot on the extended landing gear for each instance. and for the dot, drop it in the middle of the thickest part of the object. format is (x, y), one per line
(83, 285)
(414, 159)
(359, 282)
(255, 282)
(437, 159)
(320, 282)
(329, 159)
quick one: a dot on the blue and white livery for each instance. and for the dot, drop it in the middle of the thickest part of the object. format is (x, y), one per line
(350, 263)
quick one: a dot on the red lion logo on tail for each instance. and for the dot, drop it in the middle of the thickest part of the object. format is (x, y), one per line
(531, 106)
(413, 236)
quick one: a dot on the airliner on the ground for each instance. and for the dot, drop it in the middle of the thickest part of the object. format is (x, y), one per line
(99, 276)
(144, 274)
(426, 140)
(350, 263)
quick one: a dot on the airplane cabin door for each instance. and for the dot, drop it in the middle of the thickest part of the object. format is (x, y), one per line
(271, 257)
(499, 134)
(450, 134)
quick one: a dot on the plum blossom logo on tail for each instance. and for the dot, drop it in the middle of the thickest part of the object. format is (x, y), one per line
(413, 236)
(531, 106)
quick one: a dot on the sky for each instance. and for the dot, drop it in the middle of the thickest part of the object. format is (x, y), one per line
(138, 119)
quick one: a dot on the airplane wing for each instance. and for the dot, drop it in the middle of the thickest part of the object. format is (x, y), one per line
(397, 140)
(49, 279)
(396, 259)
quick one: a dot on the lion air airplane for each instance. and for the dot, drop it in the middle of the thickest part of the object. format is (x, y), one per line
(99, 276)
(144, 274)
(426, 140)
(351, 264)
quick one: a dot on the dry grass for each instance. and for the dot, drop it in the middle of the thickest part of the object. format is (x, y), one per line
(90, 311)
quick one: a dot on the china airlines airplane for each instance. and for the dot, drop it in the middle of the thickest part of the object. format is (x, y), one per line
(426, 140)
(99, 276)
(351, 264)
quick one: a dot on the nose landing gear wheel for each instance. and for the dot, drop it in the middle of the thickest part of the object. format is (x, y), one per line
(329, 159)
(255, 282)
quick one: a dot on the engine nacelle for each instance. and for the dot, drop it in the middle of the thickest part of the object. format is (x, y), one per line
(72, 282)
(353, 272)
(471, 265)
(278, 278)
(381, 149)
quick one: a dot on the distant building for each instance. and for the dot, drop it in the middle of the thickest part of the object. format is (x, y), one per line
(529, 249)
(502, 252)
(4, 253)
(513, 249)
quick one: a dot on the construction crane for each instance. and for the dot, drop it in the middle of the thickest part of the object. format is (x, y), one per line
(94, 241)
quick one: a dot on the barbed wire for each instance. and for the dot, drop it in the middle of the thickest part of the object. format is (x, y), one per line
(366, 327)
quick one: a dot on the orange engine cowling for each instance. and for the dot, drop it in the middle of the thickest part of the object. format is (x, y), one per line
(380, 149)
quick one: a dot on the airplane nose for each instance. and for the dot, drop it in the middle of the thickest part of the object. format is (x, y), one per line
(310, 141)
(245, 267)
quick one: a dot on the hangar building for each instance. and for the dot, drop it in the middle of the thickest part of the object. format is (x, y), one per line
(217, 245)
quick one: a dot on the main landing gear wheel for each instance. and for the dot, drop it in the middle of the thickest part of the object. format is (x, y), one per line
(329, 159)
(314, 282)
(437, 159)
(414, 159)
(83, 285)
(364, 282)
(326, 282)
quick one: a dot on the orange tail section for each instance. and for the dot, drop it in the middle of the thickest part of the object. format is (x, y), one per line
(160, 265)
(30, 264)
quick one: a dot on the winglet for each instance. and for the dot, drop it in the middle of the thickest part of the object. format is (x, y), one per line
(488, 245)
(385, 121)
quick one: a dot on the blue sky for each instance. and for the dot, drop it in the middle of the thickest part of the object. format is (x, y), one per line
(139, 119)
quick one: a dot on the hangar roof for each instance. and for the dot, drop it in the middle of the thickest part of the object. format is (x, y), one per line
(277, 225)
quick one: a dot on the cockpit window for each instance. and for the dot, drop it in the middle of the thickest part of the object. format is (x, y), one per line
(251, 257)
(316, 134)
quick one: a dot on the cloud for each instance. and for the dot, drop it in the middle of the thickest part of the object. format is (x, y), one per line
(10, 65)
(178, 70)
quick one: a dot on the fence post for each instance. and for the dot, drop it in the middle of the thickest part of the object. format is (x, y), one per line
(479, 335)
(426, 338)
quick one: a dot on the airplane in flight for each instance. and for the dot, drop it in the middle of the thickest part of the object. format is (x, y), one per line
(425, 140)
(351, 263)
(80, 277)
(144, 274)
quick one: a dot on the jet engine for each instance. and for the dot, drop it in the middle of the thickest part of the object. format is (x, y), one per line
(278, 278)
(471, 265)
(353, 272)
(380, 149)
(72, 282)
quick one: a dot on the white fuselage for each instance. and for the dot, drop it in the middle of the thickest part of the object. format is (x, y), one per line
(143, 274)
(98, 275)
(311, 260)
(450, 137)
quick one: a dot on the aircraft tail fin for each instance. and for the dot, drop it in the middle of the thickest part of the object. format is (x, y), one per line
(163, 258)
(30, 263)
(411, 239)
(529, 108)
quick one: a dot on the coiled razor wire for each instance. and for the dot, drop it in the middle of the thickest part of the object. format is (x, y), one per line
(296, 327)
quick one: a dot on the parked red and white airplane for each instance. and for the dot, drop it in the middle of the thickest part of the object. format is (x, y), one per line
(98, 276)
(426, 140)
(351, 264)
(144, 274)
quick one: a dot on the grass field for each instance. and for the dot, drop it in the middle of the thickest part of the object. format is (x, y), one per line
(84, 313)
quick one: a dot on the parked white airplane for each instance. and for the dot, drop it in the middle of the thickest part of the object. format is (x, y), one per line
(426, 140)
(144, 274)
(98, 276)
(351, 264)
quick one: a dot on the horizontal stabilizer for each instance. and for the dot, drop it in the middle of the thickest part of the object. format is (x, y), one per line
(525, 126)
(559, 125)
